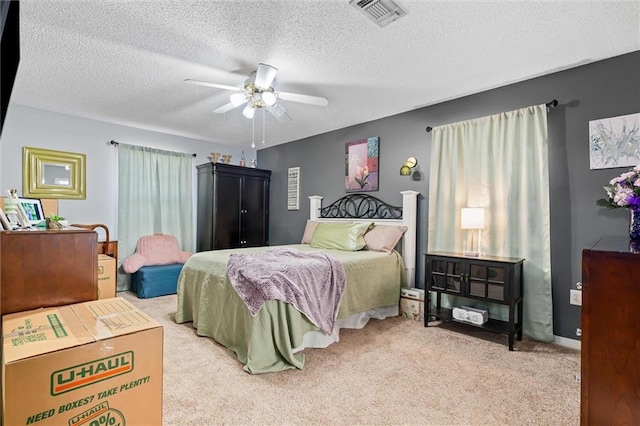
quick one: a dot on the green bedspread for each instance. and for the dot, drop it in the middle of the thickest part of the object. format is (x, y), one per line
(265, 343)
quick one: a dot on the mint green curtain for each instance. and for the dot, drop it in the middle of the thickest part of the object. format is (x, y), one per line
(499, 163)
(154, 196)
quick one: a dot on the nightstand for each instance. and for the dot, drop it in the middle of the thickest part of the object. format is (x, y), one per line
(487, 279)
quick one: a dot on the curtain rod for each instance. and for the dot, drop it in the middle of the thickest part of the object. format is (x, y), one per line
(114, 143)
(550, 105)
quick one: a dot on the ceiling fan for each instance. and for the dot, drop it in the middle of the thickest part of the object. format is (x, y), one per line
(257, 92)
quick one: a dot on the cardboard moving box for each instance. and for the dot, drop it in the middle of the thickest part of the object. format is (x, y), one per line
(92, 363)
(106, 276)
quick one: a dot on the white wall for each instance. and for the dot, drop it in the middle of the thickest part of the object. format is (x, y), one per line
(31, 127)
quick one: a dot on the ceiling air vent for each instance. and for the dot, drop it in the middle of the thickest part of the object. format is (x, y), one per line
(382, 12)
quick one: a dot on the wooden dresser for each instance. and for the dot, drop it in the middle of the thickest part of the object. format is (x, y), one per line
(42, 268)
(610, 383)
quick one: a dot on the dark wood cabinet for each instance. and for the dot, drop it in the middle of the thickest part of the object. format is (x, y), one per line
(233, 207)
(610, 355)
(43, 268)
(486, 279)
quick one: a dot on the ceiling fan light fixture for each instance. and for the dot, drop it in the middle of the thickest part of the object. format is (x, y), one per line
(238, 99)
(257, 92)
(248, 111)
(269, 98)
(264, 76)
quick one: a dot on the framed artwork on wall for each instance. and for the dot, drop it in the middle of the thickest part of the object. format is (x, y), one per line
(53, 174)
(293, 188)
(361, 165)
(614, 142)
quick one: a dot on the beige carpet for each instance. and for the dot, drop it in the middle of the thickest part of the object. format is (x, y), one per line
(391, 372)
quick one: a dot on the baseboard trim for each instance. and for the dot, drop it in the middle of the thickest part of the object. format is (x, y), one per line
(570, 343)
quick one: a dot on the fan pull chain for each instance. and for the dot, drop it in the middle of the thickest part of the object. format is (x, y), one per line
(263, 119)
(253, 132)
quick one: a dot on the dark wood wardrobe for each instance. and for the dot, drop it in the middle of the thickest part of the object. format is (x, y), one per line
(233, 207)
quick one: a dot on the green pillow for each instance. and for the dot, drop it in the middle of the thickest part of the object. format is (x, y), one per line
(340, 236)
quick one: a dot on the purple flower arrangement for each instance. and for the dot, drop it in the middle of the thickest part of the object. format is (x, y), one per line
(623, 191)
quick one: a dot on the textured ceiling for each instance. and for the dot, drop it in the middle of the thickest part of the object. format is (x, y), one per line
(125, 62)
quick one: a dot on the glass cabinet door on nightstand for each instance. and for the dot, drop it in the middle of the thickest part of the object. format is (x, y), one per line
(488, 281)
(446, 275)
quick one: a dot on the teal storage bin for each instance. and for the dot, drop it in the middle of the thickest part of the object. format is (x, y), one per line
(154, 281)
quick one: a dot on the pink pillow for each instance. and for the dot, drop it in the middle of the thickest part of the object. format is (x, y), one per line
(309, 229)
(384, 237)
(158, 249)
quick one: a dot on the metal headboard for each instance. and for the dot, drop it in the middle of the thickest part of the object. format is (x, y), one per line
(361, 206)
(364, 207)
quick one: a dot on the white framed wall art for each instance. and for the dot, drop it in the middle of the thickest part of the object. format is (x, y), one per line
(293, 188)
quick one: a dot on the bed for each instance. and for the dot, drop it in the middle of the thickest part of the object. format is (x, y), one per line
(274, 339)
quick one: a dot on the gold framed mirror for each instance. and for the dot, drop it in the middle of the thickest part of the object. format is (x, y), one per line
(53, 174)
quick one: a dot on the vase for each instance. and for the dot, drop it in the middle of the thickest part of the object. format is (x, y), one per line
(634, 225)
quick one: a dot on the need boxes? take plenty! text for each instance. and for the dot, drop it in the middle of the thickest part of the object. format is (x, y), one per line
(92, 363)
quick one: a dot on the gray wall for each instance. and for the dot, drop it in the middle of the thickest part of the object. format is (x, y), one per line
(32, 127)
(599, 90)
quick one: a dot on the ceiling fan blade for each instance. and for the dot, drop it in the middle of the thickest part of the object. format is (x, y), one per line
(226, 107)
(284, 118)
(276, 110)
(218, 86)
(265, 75)
(279, 112)
(304, 99)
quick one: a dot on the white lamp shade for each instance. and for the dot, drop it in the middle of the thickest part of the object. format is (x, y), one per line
(238, 99)
(248, 111)
(472, 218)
(268, 98)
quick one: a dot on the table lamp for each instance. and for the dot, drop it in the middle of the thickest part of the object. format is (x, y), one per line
(472, 218)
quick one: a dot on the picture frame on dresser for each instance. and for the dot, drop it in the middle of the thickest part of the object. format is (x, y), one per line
(4, 221)
(33, 210)
(10, 220)
(15, 211)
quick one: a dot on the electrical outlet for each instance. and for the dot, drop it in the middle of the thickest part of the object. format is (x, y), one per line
(575, 297)
(578, 332)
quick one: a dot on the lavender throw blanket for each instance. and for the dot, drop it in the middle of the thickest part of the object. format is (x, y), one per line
(313, 282)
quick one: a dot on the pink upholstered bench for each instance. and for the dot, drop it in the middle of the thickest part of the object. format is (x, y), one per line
(155, 266)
